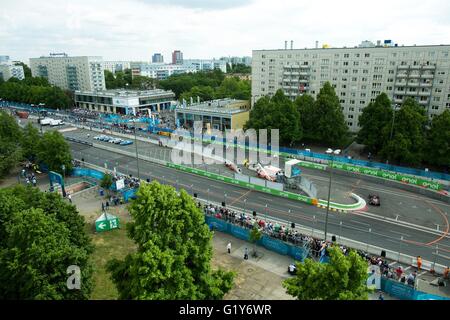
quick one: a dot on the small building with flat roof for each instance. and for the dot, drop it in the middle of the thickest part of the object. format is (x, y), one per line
(218, 114)
(125, 102)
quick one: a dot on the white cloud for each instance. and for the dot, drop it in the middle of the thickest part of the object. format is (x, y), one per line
(135, 29)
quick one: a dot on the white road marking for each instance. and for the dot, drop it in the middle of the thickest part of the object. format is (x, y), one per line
(400, 233)
(407, 268)
(421, 274)
(365, 224)
(392, 263)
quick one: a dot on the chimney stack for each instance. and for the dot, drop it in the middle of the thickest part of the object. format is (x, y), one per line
(292, 44)
(317, 44)
(285, 45)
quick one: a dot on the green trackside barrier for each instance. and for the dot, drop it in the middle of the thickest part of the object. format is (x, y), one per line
(312, 165)
(215, 176)
(389, 175)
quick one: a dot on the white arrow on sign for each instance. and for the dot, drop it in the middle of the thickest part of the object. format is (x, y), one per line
(102, 226)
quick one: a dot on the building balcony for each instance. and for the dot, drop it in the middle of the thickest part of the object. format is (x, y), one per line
(430, 67)
(295, 66)
(416, 67)
(425, 84)
(287, 73)
(425, 93)
(423, 102)
(413, 84)
(303, 80)
(294, 80)
(403, 67)
(397, 100)
(286, 80)
(427, 76)
(402, 75)
(402, 92)
(414, 75)
(411, 93)
(304, 73)
(400, 83)
(286, 87)
(305, 67)
(294, 73)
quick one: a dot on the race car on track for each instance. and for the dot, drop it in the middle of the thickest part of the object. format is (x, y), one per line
(374, 200)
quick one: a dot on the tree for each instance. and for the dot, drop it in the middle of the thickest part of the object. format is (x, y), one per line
(331, 127)
(239, 68)
(375, 122)
(107, 181)
(277, 112)
(406, 145)
(343, 278)
(30, 141)
(308, 115)
(41, 235)
(143, 83)
(54, 151)
(234, 88)
(110, 81)
(438, 140)
(10, 135)
(255, 236)
(174, 250)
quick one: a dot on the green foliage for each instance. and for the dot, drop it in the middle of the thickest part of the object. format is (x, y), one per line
(239, 68)
(331, 127)
(107, 181)
(343, 278)
(438, 140)
(234, 88)
(181, 83)
(204, 92)
(30, 141)
(255, 236)
(54, 151)
(375, 122)
(35, 91)
(120, 80)
(143, 83)
(308, 116)
(277, 112)
(408, 138)
(10, 135)
(174, 250)
(40, 236)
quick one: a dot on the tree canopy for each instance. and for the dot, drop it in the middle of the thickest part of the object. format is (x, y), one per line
(375, 122)
(174, 250)
(10, 149)
(408, 140)
(41, 235)
(35, 91)
(277, 112)
(438, 140)
(54, 151)
(342, 278)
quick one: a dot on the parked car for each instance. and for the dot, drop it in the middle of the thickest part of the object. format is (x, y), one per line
(117, 141)
(126, 142)
(374, 200)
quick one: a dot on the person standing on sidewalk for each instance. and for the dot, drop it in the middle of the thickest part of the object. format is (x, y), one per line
(246, 254)
(229, 247)
(69, 197)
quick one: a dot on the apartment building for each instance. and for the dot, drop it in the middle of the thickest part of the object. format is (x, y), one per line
(115, 66)
(157, 58)
(205, 65)
(158, 71)
(358, 75)
(8, 69)
(71, 73)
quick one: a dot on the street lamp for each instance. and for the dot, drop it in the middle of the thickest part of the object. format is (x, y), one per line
(393, 120)
(245, 205)
(331, 153)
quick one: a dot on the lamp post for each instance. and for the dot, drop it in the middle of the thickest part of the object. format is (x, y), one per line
(393, 120)
(330, 152)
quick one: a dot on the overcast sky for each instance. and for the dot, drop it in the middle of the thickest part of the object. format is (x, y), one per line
(135, 29)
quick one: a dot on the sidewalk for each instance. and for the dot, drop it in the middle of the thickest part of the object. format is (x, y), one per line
(257, 278)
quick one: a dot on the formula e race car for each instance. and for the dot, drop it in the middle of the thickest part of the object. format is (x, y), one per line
(374, 200)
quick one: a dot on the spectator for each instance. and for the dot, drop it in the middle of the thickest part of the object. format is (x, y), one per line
(69, 196)
(229, 247)
(246, 254)
(419, 262)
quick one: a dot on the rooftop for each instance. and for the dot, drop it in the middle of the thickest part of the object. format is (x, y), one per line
(222, 106)
(127, 93)
(358, 47)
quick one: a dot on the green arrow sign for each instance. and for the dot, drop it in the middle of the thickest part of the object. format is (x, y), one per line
(106, 222)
